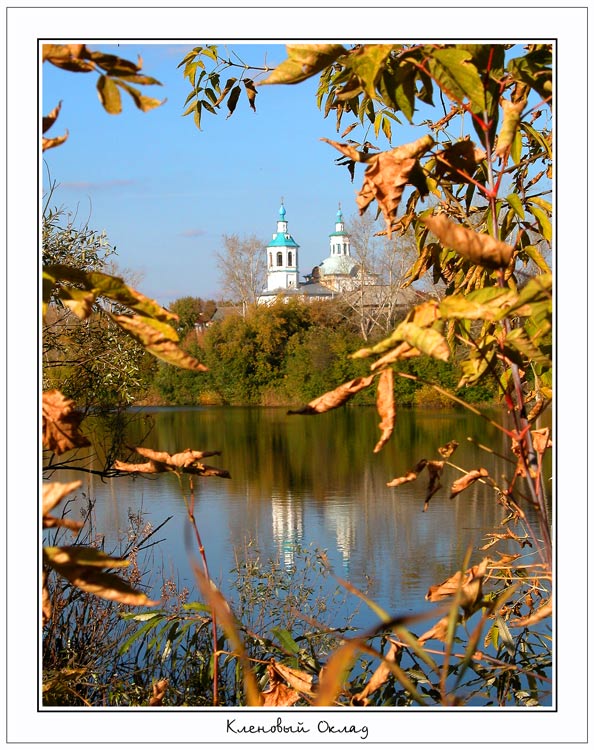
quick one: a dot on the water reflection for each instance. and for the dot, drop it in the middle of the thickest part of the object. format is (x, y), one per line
(314, 481)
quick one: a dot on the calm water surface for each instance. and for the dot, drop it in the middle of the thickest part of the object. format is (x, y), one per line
(313, 482)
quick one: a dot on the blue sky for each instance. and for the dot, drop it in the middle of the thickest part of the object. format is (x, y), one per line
(165, 192)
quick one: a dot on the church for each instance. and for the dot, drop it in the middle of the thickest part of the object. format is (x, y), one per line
(335, 275)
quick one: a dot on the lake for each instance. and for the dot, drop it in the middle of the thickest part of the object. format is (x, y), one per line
(314, 483)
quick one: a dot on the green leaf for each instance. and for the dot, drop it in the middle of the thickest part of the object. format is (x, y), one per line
(457, 75)
(109, 95)
(515, 202)
(367, 62)
(516, 147)
(146, 628)
(304, 61)
(286, 640)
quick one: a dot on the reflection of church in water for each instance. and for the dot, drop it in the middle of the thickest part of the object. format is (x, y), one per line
(338, 520)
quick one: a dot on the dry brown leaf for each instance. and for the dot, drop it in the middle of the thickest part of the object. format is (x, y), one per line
(438, 632)
(470, 585)
(457, 161)
(434, 468)
(159, 689)
(384, 181)
(280, 695)
(541, 439)
(467, 480)
(448, 449)
(55, 492)
(159, 461)
(481, 249)
(541, 613)
(46, 606)
(411, 476)
(296, 678)
(386, 407)
(403, 351)
(337, 397)
(61, 423)
(379, 677)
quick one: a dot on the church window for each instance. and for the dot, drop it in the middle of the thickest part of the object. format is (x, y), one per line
(270, 259)
(279, 259)
(290, 258)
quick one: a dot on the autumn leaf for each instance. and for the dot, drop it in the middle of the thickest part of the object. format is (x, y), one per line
(469, 584)
(386, 407)
(84, 568)
(468, 479)
(386, 176)
(438, 632)
(158, 339)
(188, 462)
(481, 249)
(60, 423)
(159, 689)
(53, 494)
(540, 614)
(337, 397)
(446, 450)
(541, 439)
(304, 61)
(379, 677)
(512, 112)
(403, 351)
(109, 95)
(457, 161)
(280, 694)
(46, 605)
(434, 468)
(410, 476)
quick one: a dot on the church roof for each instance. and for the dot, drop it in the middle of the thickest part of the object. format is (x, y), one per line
(282, 239)
(338, 265)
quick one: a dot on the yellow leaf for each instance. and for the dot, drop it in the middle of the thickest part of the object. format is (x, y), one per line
(158, 339)
(304, 61)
